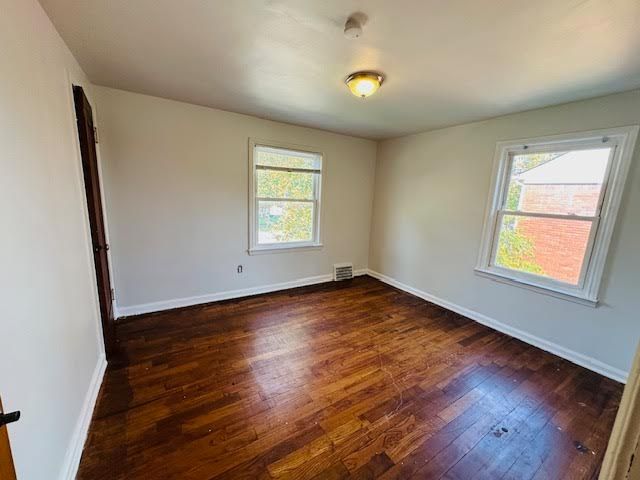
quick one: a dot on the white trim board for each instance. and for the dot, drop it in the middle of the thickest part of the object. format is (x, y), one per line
(76, 445)
(230, 294)
(573, 356)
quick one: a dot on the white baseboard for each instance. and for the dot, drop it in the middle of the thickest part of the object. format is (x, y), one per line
(216, 297)
(74, 451)
(571, 355)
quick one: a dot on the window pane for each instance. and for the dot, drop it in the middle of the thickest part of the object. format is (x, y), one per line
(567, 183)
(278, 157)
(281, 222)
(278, 184)
(550, 247)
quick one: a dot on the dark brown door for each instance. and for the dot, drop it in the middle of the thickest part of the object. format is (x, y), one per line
(86, 135)
(7, 471)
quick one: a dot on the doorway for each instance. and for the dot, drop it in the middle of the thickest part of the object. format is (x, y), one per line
(91, 173)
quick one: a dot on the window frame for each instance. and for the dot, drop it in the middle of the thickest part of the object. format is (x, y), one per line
(622, 141)
(256, 248)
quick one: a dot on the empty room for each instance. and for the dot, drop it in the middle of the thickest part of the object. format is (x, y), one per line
(296, 239)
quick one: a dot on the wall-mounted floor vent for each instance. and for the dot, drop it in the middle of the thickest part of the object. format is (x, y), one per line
(342, 271)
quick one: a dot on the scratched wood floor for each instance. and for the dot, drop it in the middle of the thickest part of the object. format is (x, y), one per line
(349, 380)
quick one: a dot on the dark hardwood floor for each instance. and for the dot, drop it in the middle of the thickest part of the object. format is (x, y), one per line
(349, 380)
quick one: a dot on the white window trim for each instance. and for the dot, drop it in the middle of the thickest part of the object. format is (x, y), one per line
(254, 247)
(624, 139)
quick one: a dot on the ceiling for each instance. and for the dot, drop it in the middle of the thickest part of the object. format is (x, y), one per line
(446, 61)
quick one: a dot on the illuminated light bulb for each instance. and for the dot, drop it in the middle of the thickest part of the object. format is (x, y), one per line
(364, 84)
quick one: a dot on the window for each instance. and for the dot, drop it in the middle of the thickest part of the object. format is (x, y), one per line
(285, 186)
(552, 210)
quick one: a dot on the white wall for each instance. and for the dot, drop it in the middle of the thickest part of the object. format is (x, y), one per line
(176, 179)
(430, 196)
(49, 329)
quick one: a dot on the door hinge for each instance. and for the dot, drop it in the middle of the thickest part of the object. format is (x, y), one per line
(113, 294)
(95, 135)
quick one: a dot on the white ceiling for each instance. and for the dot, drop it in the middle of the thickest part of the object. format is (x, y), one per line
(446, 61)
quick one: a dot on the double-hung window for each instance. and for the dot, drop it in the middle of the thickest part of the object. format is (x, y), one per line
(552, 210)
(285, 185)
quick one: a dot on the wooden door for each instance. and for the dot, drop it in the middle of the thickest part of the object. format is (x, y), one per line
(7, 471)
(86, 136)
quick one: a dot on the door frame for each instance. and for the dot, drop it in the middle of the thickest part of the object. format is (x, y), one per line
(624, 443)
(7, 466)
(72, 80)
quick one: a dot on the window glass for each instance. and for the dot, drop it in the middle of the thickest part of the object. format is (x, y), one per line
(550, 247)
(285, 222)
(279, 184)
(567, 183)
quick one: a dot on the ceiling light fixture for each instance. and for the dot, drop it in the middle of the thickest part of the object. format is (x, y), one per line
(363, 84)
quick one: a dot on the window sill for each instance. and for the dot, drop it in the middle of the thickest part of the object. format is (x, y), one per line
(545, 290)
(284, 249)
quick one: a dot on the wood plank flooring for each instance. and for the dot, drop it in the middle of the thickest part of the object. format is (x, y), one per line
(350, 380)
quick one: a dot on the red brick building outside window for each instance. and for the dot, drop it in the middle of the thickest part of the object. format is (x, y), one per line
(564, 184)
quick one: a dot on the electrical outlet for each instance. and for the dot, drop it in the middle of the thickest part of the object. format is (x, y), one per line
(239, 269)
